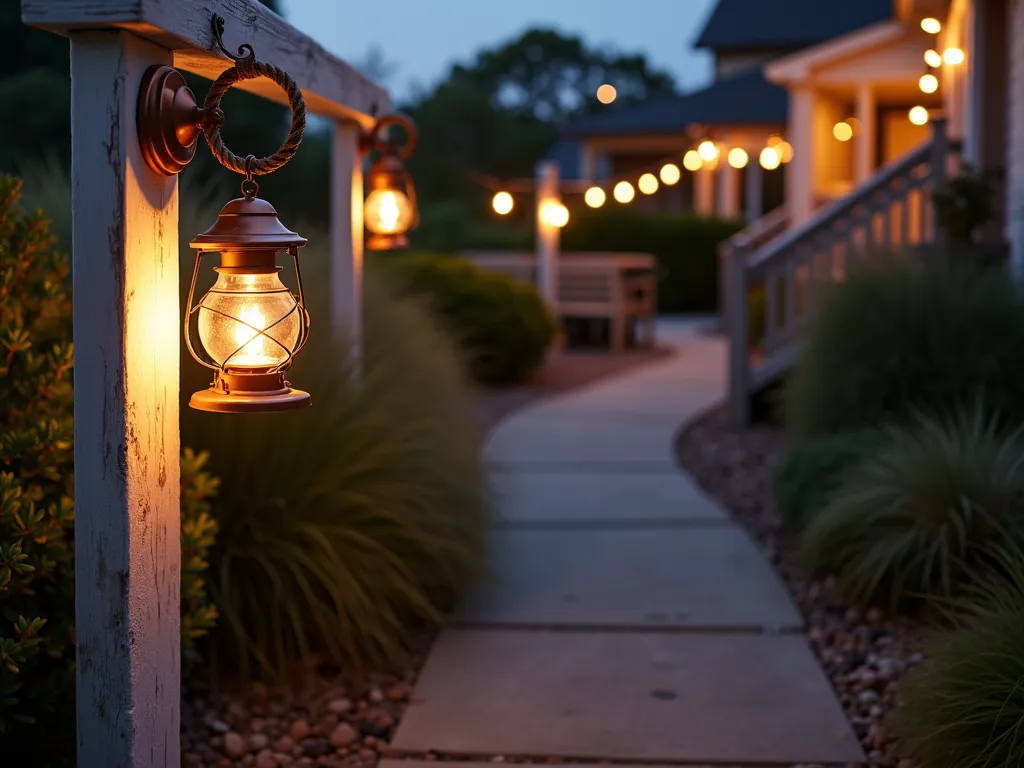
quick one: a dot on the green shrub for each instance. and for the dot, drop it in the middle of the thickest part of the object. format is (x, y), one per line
(812, 470)
(503, 325)
(912, 518)
(896, 337)
(685, 245)
(344, 523)
(36, 496)
(962, 708)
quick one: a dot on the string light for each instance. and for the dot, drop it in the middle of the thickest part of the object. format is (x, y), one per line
(918, 115)
(648, 184)
(606, 93)
(928, 83)
(707, 150)
(931, 25)
(503, 203)
(842, 131)
(554, 214)
(954, 56)
(738, 157)
(594, 197)
(670, 174)
(692, 161)
(623, 192)
(769, 159)
(932, 58)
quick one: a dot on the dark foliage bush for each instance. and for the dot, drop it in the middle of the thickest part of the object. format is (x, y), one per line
(685, 245)
(503, 325)
(898, 336)
(962, 708)
(812, 470)
(918, 513)
(37, 607)
(345, 524)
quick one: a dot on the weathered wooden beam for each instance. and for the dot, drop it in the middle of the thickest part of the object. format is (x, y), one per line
(127, 337)
(347, 239)
(330, 86)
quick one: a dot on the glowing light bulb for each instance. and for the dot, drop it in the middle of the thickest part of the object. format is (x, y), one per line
(554, 214)
(738, 157)
(931, 25)
(918, 115)
(623, 192)
(670, 174)
(648, 184)
(692, 161)
(388, 212)
(932, 58)
(928, 83)
(503, 203)
(594, 197)
(606, 93)
(769, 159)
(247, 332)
(842, 131)
(707, 150)
(954, 56)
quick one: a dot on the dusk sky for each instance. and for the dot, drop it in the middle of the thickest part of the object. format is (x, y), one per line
(423, 37)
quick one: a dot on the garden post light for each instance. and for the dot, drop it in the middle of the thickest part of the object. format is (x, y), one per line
(390, 209)
(248, 326)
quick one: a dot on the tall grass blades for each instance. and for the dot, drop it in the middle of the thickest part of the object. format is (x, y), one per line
(915, 516)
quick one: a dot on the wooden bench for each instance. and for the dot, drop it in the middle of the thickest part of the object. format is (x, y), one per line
(618, 287)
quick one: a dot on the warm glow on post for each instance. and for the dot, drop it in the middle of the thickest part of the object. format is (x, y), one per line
(954, 56)
(707, 151)
(594, 197)
(648, 184)
(554, 214)
(670, 174)
(931, 25)
(932, 58)
(769, 159)
(606, 93)
(623, 192)
(738, 157)
(928, 83)
(503, 203)
(918, 115)
(692, 161)
(842, 131)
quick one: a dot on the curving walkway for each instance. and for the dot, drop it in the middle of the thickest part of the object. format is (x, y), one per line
(630, 619)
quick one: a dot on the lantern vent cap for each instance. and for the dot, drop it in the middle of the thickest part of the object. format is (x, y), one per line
(247, 223)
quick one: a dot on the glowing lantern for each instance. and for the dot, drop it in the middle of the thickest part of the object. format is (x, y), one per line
(933, 58)
(954, 56)
(707, 151)
(502, 203)
(389, 211)
(606, 93)
(554, 214)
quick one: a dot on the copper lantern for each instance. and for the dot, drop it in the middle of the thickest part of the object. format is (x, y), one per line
(390, 209)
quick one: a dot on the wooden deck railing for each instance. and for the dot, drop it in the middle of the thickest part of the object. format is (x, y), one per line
(756, 234)
(772, 287)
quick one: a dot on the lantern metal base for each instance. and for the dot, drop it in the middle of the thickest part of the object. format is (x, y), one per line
(249, 393)
(386, 242)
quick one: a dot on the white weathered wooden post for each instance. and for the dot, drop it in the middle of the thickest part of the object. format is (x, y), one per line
(347, 239)
(127, 337)
(548, 235)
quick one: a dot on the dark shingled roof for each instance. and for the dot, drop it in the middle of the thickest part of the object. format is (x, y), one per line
(744, 99)
(747, 24)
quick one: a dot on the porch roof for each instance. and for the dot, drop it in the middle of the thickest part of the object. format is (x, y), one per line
(744, 99)
(754, 24)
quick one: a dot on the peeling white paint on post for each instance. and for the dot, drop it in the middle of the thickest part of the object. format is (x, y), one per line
(548, 236)
(347, 239)
(126, 333)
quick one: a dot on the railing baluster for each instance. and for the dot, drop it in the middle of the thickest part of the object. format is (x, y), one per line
(771, 307)
(791, 287)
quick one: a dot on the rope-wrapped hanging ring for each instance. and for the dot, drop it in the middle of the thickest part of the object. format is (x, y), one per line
(247, 68)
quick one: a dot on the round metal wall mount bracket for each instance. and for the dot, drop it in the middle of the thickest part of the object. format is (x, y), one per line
(169, 120)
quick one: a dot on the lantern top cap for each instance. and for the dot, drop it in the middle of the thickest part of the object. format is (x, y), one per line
(246, 223)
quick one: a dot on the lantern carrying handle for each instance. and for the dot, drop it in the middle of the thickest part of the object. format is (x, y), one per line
(377, 138)
(248, 68)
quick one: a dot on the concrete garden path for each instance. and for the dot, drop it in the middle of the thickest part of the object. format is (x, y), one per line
(629, 618)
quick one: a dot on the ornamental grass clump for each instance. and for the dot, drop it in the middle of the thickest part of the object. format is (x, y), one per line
(347, 523)
(917, 515)
(963, 707)
(898, 337)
